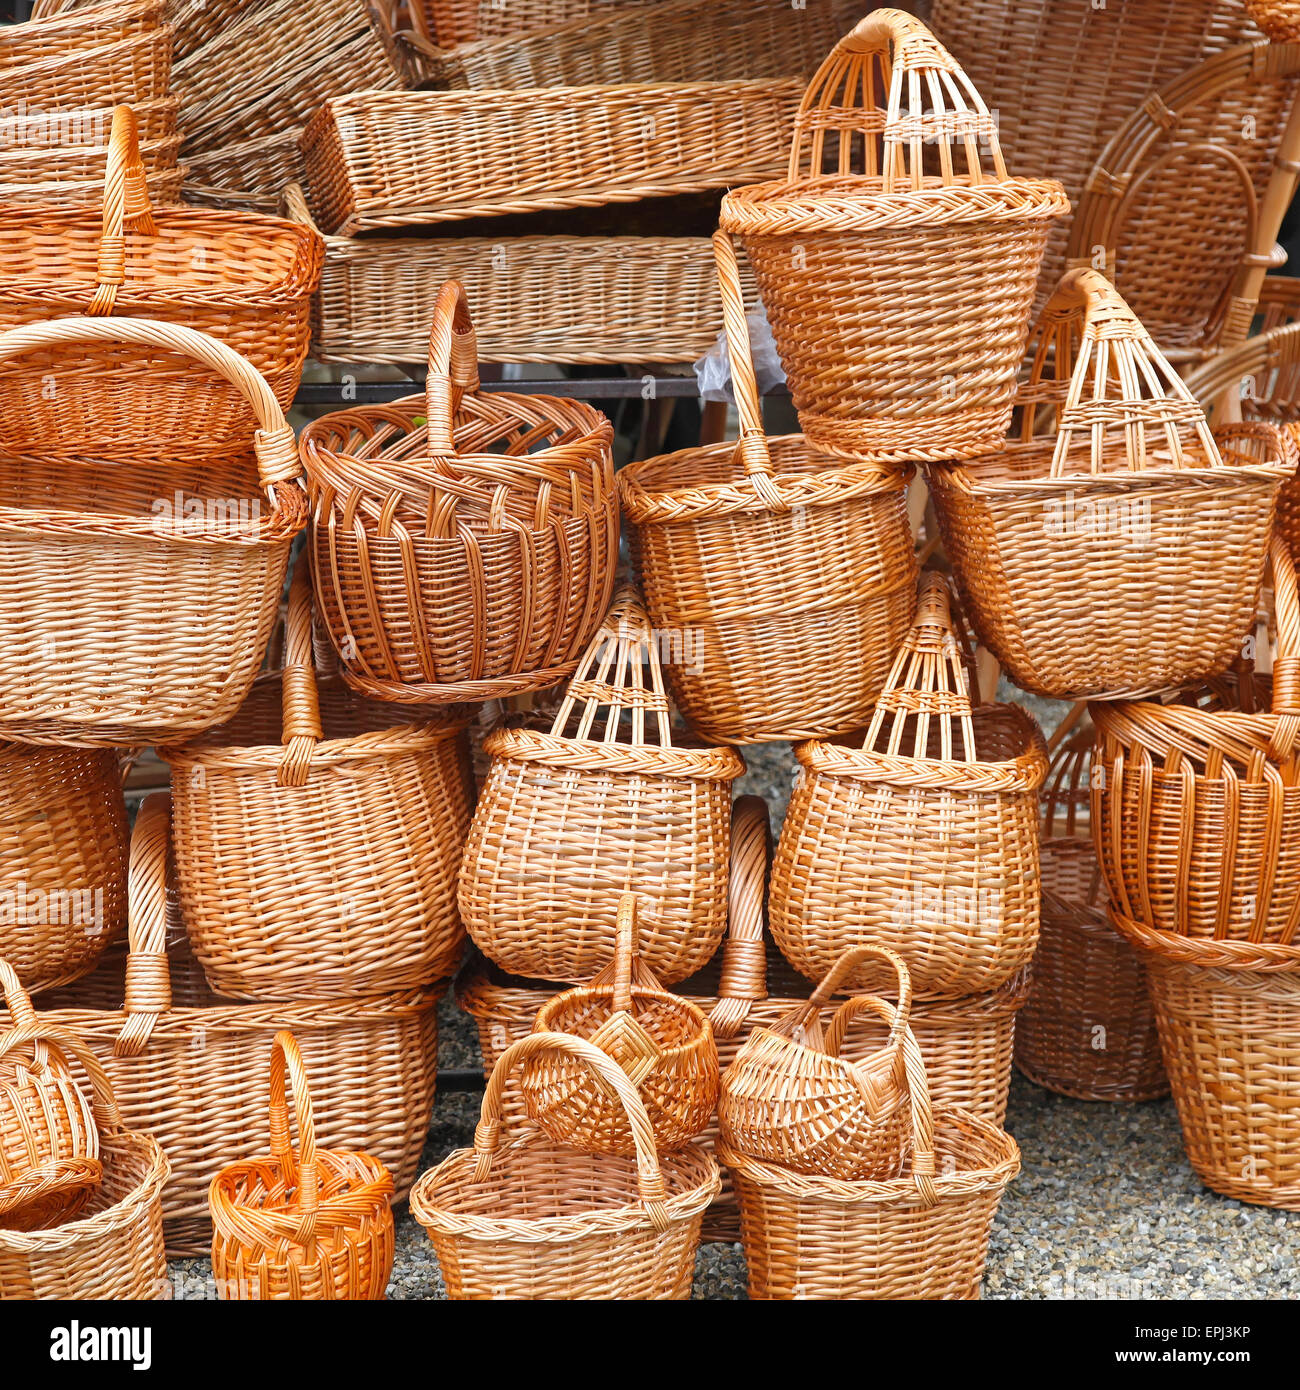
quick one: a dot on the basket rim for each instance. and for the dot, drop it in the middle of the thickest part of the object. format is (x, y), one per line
(679, 1004)
(716, 763)
(1208, 953)
(339, 1210)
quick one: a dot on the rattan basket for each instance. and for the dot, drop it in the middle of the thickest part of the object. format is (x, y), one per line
(452, 22)
(251, 176)
(93, 27)
(190, 1068)
(140, 596)
(315, 1224)
(411, 158)
(463, 543)
(133, 67)
(1121, 553)
(899, 295)
(923, 835)
(793, 571)
(1279, 19)
(63, 850)
(529, 1219)
(318, 837)
(609, 800)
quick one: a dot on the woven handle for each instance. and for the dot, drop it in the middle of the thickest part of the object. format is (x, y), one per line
(148, 975)
(103, 1101)
(300, 726)
(1118, 379)
(1286, 611)
(453, 370)
(302, 1170)
(625, 944)
(931, 103)
(744, 954)
(274, 441)
(487, 1134)
(17, 1000)
(126, 204)
(801, 1019)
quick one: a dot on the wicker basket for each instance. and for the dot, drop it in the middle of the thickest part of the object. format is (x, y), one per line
(190, 1068)
(135, 67)
(923, 837)
(532, 1220)
(63, 839)
(27, 132)
(76, 178)
(23, 44)
(412, 158)
(312, 1225)
(663, 1042)
(246, 280)
(95, 656)
(251, 176)
(794, 572)
(463, 544)
(315, 867)
(899, 297)
(113, 1249)
(1196, 816)
(49, 1139)
(1279, 19)
(1123, 553)
(912, 1237)
(1227, 1014)
(791, 1099)
(607, 802)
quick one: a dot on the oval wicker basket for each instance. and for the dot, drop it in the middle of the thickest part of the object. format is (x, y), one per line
(464, 544)
(1121, 553)
(899, 296)
(792, 572)
(532, 1220)
(609, 801)
(791, 1099)
(190, 1068)
(318, 837)
(312, 1225)
(663, 1042)
(925, 837)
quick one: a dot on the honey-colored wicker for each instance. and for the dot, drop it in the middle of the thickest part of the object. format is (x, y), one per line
(1114, 547)
(190, 1068)
(607, 800)
(529, 1219)
(251, 176)
(75, 32)
(1227, 1014)
(315, 1224)
(921, 1234)
(49, 1140)
(398, 159)
(922, 835)
(113, 1247)
(663, 1042)
(793, 572)
(1279, 19)
(1064, 74)
(1196, 815)
(139, 596)
(1184, 203)
(899, 296)
(791, 1099)
(463, 543)
(63, 851)
(245, 279)
(451, 22)
(318, 837)
(28, 131)
(134, 67)
(74, 177)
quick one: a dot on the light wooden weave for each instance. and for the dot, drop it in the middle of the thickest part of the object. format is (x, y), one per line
(60, 36)
(79, 72)
(1279, 19)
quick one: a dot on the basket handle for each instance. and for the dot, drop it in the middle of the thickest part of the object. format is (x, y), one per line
(148, 971)
(800, 1015)
(300, 726)
(453, 370)
(17, 1000)
(1286, 662)
(625, 943)
(942, 107)
(487, 1133)
(752, 450)
(304, 1172)
(892, 1014)
(744, 955)
(274, 441)
(126, 203)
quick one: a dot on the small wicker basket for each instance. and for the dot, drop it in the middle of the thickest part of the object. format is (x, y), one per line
(1279, 19)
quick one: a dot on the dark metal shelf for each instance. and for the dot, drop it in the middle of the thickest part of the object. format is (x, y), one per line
(605, 388)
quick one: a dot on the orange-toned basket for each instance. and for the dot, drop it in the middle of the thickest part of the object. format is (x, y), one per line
(318, 836)
(529, 1219)
(245, 279)
(791, 1099)
(792, 572)
(662, 1041)
(71, 73)
(899, 295)
(90, 27)
(315, 1224)
(610, 800)
(464, 543)
(1113, 547)
(1279, 19)
(139, 595)
(922, 835)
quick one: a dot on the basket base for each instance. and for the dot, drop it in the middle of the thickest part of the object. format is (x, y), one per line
(890, 440)
(1115, 1094)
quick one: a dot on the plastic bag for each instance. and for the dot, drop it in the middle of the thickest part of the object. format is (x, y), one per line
(713, 370)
